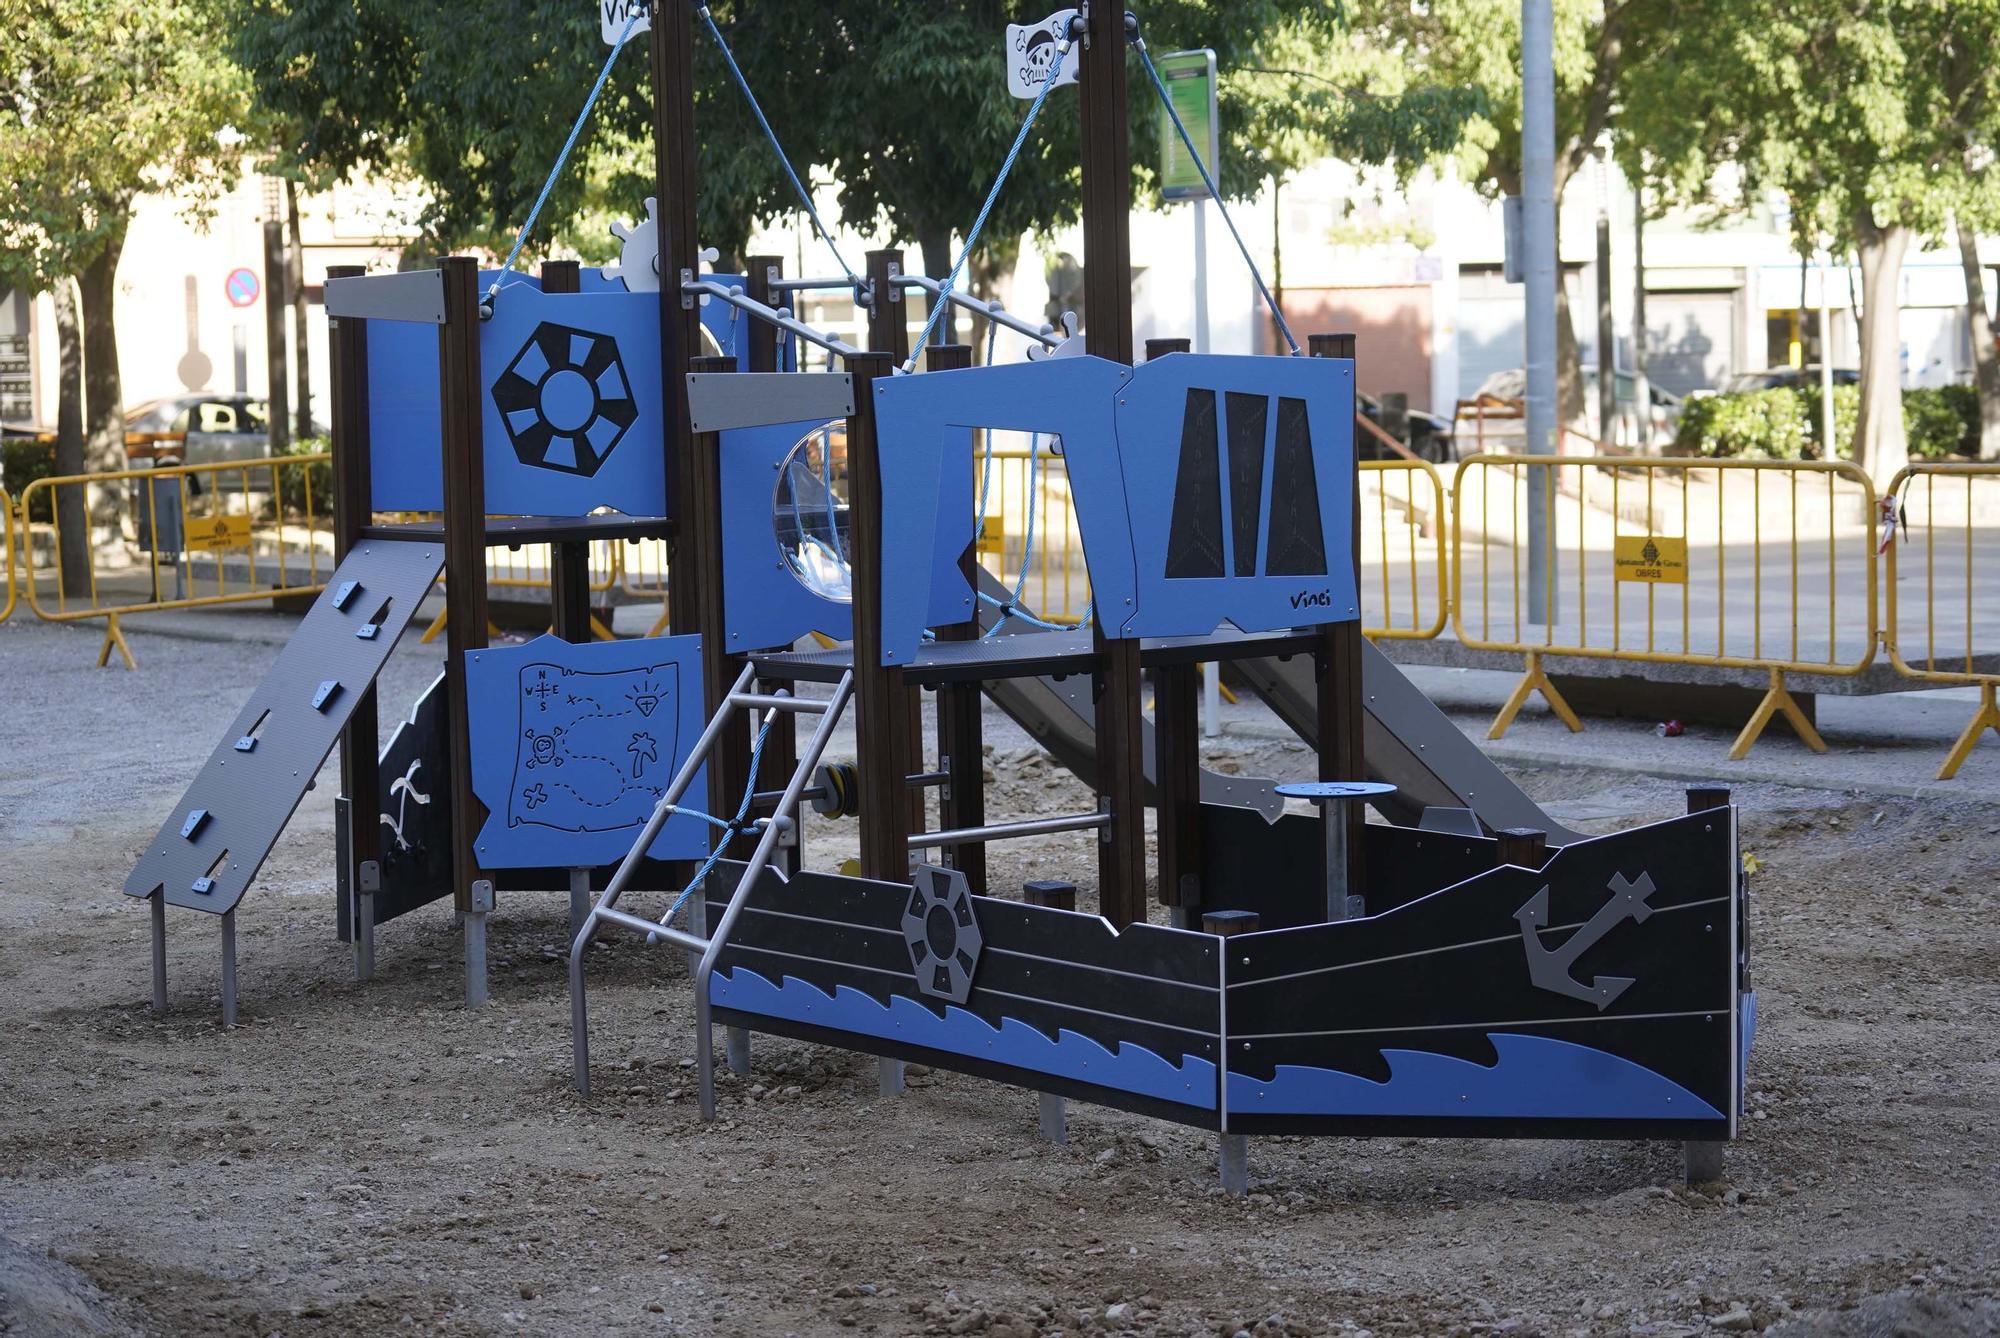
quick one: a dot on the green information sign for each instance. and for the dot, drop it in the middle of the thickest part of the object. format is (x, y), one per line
(1190, 80)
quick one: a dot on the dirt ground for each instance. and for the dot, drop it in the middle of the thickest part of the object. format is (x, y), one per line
(375, 1158)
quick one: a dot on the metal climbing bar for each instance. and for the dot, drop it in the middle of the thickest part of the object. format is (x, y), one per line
(778, 316)
(1043, 334)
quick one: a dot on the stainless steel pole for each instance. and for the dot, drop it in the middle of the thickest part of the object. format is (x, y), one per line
(1538, 249)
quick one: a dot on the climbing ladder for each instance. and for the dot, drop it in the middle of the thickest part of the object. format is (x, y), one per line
(708, 945)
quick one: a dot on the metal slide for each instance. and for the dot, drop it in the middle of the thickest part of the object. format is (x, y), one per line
(1408, 742)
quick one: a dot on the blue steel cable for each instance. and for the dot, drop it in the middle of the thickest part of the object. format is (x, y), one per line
(1209, 181)
(733, 825)
(563, 157)
(943, 298)
(805, 198)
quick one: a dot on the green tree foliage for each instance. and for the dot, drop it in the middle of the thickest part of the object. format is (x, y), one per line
(902, 103)
(1876, 118)
(100, 104)
(1476, 44)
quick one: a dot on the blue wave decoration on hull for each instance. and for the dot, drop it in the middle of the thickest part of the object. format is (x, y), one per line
(1131, 1068)
(1536, 1077)
(1746, 1010)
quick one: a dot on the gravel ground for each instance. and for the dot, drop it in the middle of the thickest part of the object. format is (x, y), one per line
(361, 1159)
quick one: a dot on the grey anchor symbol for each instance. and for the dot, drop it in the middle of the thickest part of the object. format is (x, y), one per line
(1549, 968)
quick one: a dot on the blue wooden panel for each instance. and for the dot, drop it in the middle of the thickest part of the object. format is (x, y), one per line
(1299, 413)
(914, 415)
(610, 455)
(573, 745)
(1280, 428)
(764, 603)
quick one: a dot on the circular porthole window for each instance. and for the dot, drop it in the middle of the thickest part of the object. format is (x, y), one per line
(809, 512)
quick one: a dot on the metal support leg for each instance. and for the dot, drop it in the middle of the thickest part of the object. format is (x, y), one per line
(1055, 1119)
(738, 1041)
(159, 900)
(475, 943)
(1236, 1164)
(889, 1076)
(1184, 917)
(364, 934)
(579, 1021)
(229, 969)
(1333, 824)
(1701, 1162)
(579, 900)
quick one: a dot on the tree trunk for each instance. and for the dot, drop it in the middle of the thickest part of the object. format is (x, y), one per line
(1985, 357)
(72, 519)
(302, 368)
(1880, 446)
(1572, 407)
(935, 243)
(103, 391)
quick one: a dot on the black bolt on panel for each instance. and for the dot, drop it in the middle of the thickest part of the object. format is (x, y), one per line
(254, 780)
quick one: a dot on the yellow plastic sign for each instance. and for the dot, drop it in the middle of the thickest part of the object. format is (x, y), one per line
(1647, 557)
(209, 534)
(992, 537)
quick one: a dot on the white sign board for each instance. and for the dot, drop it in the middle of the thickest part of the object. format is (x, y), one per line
(613, 15)
(1031, 49)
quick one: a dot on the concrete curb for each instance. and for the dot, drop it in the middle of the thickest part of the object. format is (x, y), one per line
(1733, 772)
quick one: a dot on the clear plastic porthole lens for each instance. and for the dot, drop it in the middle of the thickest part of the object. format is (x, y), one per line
(809, 512)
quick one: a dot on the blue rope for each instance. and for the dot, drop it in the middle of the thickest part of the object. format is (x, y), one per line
(1209, 181)
(563, 157)
(733, 826)
(943, 298)
(805, 198)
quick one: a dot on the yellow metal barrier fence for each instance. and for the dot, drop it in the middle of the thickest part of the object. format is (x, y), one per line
(530, 567)
(1724, 563)
(181, 537)
(7, 537)
(1948, 520)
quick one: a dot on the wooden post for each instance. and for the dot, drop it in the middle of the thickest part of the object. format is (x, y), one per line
(461, 401)
(1702, 798)
(759, 272)
(729, 763)
(1526, 847)
(1050, 892)
(1338, 669)
(694, 492)
(569, 563)
(888, 314)
(960, 733)
(781, 747)
(882, 733)
(347, 347)
(1177, 761)
(1107, 311)
(889, 332)
(691, 500)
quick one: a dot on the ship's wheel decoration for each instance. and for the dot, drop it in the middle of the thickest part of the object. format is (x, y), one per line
(565, 399)
(941, 932)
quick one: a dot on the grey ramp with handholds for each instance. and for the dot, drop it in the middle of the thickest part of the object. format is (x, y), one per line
(216, 839)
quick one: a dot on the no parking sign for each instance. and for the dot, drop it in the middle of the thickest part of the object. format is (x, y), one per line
(242, 287)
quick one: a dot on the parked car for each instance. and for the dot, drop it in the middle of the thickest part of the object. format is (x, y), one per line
(1771, 378)
(208, 428)
(1630, 429)
(1429, 435)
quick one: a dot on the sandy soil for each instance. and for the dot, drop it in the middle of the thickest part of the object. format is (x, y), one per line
(371, 1158)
